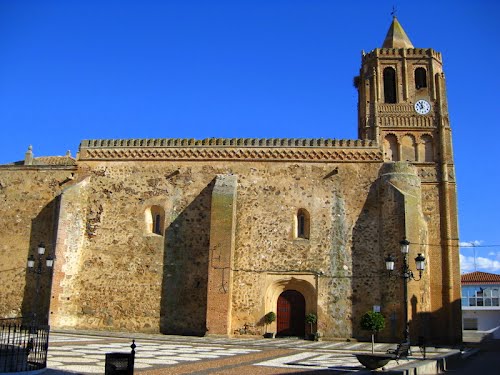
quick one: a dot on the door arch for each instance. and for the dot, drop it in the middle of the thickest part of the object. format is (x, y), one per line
(291, 311)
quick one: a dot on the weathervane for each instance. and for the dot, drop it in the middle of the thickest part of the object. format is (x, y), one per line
(394, 11)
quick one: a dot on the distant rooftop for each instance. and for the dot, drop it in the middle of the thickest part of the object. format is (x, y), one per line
(477, 277)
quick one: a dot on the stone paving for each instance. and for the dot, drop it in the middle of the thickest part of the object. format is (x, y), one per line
(85, 354)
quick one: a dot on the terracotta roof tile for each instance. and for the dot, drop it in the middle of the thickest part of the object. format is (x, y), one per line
(54, 160)
(480, 278)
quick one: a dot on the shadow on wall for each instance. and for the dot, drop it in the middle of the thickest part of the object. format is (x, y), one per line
(185, 269)
(36, 297)
(368, 276)
(377, 233)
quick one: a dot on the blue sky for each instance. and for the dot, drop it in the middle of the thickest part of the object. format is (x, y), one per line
(74, 70)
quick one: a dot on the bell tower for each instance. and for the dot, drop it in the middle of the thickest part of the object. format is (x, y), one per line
(402, 100)
(402, 106)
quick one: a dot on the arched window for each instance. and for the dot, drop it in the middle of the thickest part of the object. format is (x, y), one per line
(302, 224)
(389, 85)
(155, 220)
(391, 148)
(420, 78)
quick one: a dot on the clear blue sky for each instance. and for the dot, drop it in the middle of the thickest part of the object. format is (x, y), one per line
(73, 70)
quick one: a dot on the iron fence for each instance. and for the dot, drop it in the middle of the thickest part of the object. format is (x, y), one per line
(23, 345)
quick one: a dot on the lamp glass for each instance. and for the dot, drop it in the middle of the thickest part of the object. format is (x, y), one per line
(31, 262)
(405, 246)
(41, 249)
(49, 262)
(389, 263)
(420, 262)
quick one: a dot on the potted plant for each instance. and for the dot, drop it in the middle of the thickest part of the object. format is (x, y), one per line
(268, 319)
(311, 319)
(372, 321)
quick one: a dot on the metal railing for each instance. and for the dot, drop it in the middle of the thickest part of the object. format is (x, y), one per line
(23, 345)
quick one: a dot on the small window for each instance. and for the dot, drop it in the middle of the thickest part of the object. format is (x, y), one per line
(155, 218)
(302, 224)
(389, 85)
(420, 78)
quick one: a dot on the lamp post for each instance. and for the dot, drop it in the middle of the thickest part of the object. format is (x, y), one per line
(39, 270)
(406, 275)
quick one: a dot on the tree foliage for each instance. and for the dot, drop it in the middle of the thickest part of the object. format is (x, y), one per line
(269, 317)
(372, 321)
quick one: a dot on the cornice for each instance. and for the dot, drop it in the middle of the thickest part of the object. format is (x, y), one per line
(309, 150)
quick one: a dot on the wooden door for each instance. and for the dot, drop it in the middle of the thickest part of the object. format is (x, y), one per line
(291, 314)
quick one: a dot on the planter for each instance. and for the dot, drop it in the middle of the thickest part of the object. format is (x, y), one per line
(374, 361)
(311, 337)
(268, 335)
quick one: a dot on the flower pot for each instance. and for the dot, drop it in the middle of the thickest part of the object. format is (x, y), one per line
(268, 335)
(373, 361)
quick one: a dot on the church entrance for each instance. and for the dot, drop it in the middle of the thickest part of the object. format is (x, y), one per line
(291, 311)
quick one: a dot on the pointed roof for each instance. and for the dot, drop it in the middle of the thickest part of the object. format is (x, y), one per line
(477, 277)
(396, 36)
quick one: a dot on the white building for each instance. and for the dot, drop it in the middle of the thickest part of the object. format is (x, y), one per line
(481, 304)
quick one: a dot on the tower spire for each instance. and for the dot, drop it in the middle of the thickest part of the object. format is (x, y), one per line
(396, 36)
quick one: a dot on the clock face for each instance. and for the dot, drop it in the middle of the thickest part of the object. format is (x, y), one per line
(422, 107)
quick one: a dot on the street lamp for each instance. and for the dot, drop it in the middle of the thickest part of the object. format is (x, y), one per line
(39, 269)
(406, 275)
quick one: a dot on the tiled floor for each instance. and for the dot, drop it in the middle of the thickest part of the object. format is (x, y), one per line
(85, 354)
(89, 358)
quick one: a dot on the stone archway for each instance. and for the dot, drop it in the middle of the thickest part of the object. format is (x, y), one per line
(283, 285)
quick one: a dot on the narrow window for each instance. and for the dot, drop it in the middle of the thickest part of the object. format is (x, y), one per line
(302, 224)
(389, 85)
(157, 224)
(155, 218)
(420, 78)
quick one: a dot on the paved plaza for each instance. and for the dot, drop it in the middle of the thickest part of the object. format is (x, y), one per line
(72, 353)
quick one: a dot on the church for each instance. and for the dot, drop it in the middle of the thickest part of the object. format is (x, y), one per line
(206, 237)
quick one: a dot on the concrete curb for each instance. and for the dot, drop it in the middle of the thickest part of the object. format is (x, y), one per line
(429, 366)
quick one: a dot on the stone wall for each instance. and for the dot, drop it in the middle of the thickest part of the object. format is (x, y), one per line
(29, 207)
(114, 273)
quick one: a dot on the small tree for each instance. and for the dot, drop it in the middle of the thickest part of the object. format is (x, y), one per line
(269, 318)
(373, 322)
(311, 319)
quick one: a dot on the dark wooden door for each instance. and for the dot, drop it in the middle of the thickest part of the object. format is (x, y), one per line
(291, 312)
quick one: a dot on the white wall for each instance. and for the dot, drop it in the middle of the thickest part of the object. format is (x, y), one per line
(487, 319)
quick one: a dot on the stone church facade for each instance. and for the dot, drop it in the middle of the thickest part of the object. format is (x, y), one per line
(204, 237)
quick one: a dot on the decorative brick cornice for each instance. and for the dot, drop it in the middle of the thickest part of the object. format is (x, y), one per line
(248, 149)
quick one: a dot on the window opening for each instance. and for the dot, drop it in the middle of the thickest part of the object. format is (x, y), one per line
(302, 224)
(389, 85)
(420, 78)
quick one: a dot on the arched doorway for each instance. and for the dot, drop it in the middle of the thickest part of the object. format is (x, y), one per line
(291, 311)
